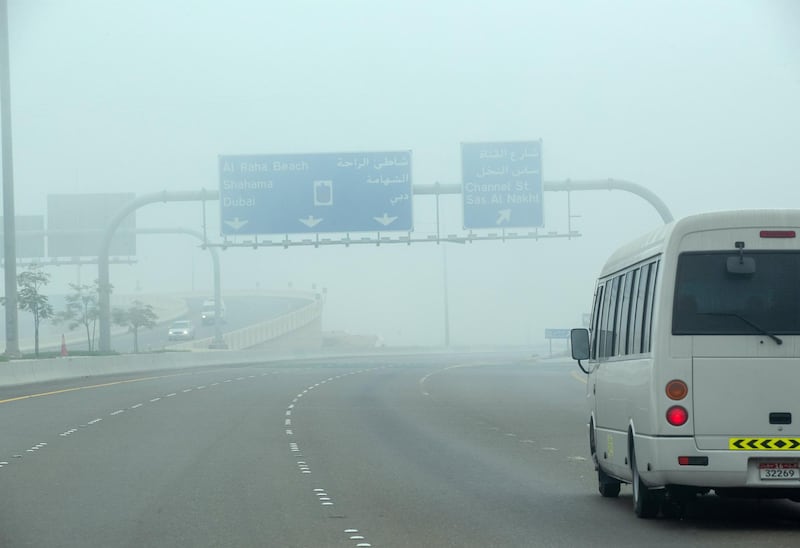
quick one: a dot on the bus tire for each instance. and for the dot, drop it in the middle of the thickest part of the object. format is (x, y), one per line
(646, 503)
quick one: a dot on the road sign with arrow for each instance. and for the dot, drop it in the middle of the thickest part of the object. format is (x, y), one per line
(502, 184)
(330, 192)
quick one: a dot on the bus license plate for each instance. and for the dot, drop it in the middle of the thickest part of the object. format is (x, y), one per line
(778, 470)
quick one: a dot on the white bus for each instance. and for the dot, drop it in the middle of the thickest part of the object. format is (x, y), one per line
(693, 361)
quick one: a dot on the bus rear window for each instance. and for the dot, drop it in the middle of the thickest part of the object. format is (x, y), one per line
(713, 299)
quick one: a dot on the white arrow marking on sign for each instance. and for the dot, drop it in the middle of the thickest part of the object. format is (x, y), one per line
(385, 220)
(311, 222)
(236, 224)
(505, 215)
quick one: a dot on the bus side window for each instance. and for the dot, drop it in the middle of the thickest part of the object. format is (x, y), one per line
(595, 323)
(647, 326)
(623, 313)
(604, 345)
(610, 318)
(641, 298)
(630, 310)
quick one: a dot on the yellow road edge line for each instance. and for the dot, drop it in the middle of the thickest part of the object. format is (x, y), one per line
(578, 377)
(76, 388)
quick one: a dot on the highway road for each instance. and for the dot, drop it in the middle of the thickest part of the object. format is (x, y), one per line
(444, 450)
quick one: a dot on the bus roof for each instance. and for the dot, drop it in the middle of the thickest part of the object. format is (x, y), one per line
(656, 242)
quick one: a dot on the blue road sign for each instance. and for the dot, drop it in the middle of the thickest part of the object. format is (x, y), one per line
(556, 333)
(502, 184)
(301, 193)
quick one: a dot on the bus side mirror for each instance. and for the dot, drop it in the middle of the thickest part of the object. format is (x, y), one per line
(579, 341)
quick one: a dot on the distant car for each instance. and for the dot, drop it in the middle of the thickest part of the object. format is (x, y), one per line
(208, 311)
(182, 330)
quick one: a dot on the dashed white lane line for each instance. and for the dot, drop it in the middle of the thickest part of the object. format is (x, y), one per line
(322, 495)
(113, 413)
(355, 534)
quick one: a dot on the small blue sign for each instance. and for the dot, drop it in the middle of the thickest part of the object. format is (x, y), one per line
(556, 333)
(301, 193)
(502, 184)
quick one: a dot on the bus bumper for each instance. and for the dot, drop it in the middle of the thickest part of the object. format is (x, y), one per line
(678, 461)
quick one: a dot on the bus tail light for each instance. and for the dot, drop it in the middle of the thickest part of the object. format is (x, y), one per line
(677, 390)
(778, 234)
(677, 415)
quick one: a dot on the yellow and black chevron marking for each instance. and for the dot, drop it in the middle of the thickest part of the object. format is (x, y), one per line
(764, 444)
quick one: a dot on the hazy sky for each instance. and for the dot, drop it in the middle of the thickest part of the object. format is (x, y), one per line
(699, 101)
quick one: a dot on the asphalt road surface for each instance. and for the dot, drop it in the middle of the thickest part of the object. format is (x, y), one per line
(405, 451)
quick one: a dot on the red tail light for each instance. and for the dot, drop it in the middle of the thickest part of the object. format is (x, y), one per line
(693, 461)
(677, 415)
(778, 234)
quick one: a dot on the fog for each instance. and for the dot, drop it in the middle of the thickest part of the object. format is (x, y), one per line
(697, 101)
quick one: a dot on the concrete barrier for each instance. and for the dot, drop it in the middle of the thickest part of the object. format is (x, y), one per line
(260, 333)
(38, 371)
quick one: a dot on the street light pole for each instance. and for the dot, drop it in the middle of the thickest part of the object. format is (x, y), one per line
(9, 227)
(446, 299)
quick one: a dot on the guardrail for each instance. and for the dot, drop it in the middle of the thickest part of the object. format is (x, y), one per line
(259, 333)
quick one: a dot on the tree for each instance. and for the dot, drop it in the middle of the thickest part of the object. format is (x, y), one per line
(135, 317)
(29, 298)
(82, 310)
